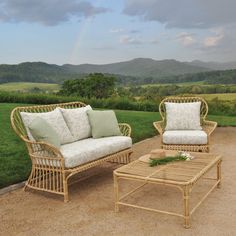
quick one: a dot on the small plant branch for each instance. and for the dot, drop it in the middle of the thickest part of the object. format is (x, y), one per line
(166, 160)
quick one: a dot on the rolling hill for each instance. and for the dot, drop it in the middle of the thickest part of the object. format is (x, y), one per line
(51, 73)
(136, 71)
(139, 67)
(214, 65)
(34, 72)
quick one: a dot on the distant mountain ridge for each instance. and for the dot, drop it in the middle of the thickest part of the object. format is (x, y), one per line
(136, 68)
(40, 72)
(214, 65)
(140, 67)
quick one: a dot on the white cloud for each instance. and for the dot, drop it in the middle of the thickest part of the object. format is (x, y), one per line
(134, 31)
(187, 39)
(127, 39)
(213, 41)
(116, 30)
(154, 41)
(103, 47)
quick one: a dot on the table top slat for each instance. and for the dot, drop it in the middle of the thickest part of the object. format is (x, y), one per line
(180, 171)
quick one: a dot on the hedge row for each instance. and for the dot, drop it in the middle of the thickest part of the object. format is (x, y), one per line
(216, 107)
(110, 103)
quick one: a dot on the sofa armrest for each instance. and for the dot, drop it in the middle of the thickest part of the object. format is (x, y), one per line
(45, 154)
(209, 126)
(159, 126)
(125, 129)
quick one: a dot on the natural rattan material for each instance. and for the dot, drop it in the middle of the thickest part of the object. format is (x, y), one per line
(48, 165)
(208, 126)
(182, 175)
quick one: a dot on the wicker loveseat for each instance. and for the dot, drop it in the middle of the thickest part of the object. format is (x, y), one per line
(207, 127)
(50, 169)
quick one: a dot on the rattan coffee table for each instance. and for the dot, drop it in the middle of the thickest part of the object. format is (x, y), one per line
(182, 174)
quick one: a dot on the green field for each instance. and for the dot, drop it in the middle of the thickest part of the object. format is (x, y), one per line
(220, 96)
(15, 164)
(202, 83)
(26, 87)
(53, 88)
(179, 84)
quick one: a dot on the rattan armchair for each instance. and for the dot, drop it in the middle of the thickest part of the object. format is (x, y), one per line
(207, 126)
(48, 165)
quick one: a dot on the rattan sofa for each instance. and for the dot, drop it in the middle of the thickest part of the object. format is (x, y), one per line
(49, 172)
(207, 126)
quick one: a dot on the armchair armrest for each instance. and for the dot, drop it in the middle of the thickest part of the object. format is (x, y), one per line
(159, 125)
(125, 129)
(209, 126)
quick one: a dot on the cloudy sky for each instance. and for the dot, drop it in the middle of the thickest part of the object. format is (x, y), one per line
(105, 31)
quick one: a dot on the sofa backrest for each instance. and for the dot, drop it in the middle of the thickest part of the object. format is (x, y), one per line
(16, 120)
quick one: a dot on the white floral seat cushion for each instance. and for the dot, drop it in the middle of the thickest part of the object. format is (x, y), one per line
(195, 137)
(90, 149)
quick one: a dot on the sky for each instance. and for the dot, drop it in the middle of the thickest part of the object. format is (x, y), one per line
(107, 31)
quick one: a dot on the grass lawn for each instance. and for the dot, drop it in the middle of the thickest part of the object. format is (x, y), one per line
(15, 163)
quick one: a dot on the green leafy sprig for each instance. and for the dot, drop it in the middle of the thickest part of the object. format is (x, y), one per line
(166, 160)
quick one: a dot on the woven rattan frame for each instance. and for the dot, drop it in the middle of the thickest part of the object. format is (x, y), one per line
(208, 126)
(181, 175)
(48, 171)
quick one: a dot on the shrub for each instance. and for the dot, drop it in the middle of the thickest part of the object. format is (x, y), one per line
(216, 106)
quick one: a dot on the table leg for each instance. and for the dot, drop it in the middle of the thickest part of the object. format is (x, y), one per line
(186, 207)
(116, 191)
(219, 174)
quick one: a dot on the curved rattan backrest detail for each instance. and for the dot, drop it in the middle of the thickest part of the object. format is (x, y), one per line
(203, 109)
(17, 123)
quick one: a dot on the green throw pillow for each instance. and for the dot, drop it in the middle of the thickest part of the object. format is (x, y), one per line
(42, 131)
(103, 123)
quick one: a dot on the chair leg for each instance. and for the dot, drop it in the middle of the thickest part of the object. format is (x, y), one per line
(186, 208)
(66, 198)
(65, 188)
(24, 188)
(129, 158)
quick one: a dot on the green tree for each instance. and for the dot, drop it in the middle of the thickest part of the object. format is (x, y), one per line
(95, 85)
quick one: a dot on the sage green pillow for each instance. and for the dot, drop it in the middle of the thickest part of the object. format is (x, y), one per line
(42, 131)
(103, 123)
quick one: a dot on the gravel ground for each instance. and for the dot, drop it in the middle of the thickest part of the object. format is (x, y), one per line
(91, 207)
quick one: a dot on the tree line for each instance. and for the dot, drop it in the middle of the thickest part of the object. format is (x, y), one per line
(99, 86)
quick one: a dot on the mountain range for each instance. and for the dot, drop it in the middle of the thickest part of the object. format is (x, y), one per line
(138, 68)
(214, 65)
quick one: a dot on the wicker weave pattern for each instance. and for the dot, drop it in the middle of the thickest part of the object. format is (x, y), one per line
(208, 126)
(48, 166)
(183, 175)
